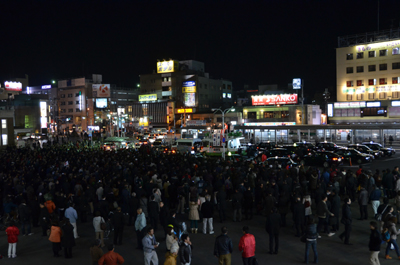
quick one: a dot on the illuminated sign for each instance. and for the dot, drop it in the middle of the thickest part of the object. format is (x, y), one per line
(330, 110)
(229, 95)
(373, 104)
(190, 99)
(101, 103)
(101, 90)
(396, 103)
(349, 105)
(43, 114)
(268, 123)
(381, 45)
(143, 121)
(274, 99)
(223, 95)
(167, 66)
(13, 86)
(184, 110)
(46, 87)
(296, 83)
(189, 87)
(148, 97)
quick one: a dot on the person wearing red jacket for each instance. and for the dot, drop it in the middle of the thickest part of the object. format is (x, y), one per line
(247, 246)
(111, 257)
(12, 234)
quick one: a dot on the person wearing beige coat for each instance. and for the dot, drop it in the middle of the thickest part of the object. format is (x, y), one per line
(194, 215)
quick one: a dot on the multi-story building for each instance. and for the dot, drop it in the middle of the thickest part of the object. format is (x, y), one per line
(368, 78)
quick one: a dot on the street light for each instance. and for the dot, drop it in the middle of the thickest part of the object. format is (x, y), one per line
(223, 125)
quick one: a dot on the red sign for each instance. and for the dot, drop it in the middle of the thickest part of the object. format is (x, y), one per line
(274, 99)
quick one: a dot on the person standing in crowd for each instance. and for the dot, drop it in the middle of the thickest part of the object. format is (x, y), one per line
(221, 204)
(363, 202)
(194, 215)
(72, 215)
(237, 200)
(272, 227)
(153, 210)
(44, 219)
(390, 225)
(97, 221)
(247, 246)
(140, 224)
(25, 216)
(172, 247)
(185, 251)
(223, 247)
(311, 236)
(118, 222)
(55, 237)
(322, 212)
(375, 242)
(299, 216)
(347, 221)
(96, 252)
(248, 202)
(111, 257)
(149, 247)
(67, 239)
(207, 210)
(12, 236)
(375, 197)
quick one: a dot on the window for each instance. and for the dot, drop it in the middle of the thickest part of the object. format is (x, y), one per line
(349, 83)
(252, 115)
(4, 124)
(382, 95)
(268, 114)
(77, 102)
(395, 80)
(70, 110)
(395, 94)
(360, 96)
(63, 111)
(62, 103)
(77, 110)
(360, 83)
(383, 53)
(360, 69)
(371, 82)
(229, 87)
(76, 94)
(371, 54)
(360, 55)
(349, 97)
(349, 56)
(371, 68)
(349, 70)
(70, 95)
(70, 102)
(4, 139)
(382, 81)
(62, 96)
(371, 95)
(395, 65)
(395, 51)
(383, 67)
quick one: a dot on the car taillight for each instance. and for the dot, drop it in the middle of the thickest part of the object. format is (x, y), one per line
(192, 147)
(334, 159)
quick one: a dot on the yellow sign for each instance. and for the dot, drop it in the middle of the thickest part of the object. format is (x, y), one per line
(143, 121)
(148, 97)
(184, 110)
(189, 89)
(167, 66)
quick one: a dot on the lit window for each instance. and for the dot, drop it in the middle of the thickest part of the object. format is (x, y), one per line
(382, 81)
(349, 83)
(4, 139)
(360, 83)
(4, 124)
(372, 82)
(395, 80)
(395, 51)
(224, 95)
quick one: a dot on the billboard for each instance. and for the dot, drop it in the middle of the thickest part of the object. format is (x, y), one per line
(148, 97)
(296, 83)
(189, 87)
(101, 90)
(13, 86)
(274, 99)
(43, 114)
(167, 66)
(190, 99)
(101, 103)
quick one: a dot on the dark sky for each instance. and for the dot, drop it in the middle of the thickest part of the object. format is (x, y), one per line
(248, 42)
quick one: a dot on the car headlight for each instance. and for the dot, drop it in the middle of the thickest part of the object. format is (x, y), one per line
(339, 159)
(376, 154)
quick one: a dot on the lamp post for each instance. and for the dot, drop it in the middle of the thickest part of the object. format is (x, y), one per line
(223, 125)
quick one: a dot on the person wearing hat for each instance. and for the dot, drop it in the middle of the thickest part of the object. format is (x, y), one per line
(96, 252)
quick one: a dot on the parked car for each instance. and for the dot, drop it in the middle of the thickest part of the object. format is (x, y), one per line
(387, 151)
(266, 146)
(366, 150)
(322, 158)
(327, 146)
(282, 161)
(354, 155)
(279, 152)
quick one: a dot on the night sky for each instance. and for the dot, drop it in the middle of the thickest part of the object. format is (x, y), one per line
(248, 42)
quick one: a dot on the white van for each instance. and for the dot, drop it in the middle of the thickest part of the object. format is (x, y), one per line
(187, 145)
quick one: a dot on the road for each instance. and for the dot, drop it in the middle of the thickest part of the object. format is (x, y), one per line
(36, 249)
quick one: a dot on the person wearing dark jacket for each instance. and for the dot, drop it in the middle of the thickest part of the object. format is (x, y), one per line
(248, 203)
(283, 207)
(311, 240)
(44, 219)
(237, 200)
(67, 239)
(221, 204)
(153, 211)
(346, 220)
(25, 216)
(207, 210)
(335, 209)
(273, 226)
(185, 251)
(223, 247)
(118, 222)
(363, 202)
(375, 241)
(322, 213)
(299, 216)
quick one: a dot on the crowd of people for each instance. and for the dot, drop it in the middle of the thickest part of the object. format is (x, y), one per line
(55, 186)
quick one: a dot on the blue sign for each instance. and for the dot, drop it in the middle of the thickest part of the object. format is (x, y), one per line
(223, 139)
(189, 83)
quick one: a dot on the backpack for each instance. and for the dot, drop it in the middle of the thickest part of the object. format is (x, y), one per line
(386, 236)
